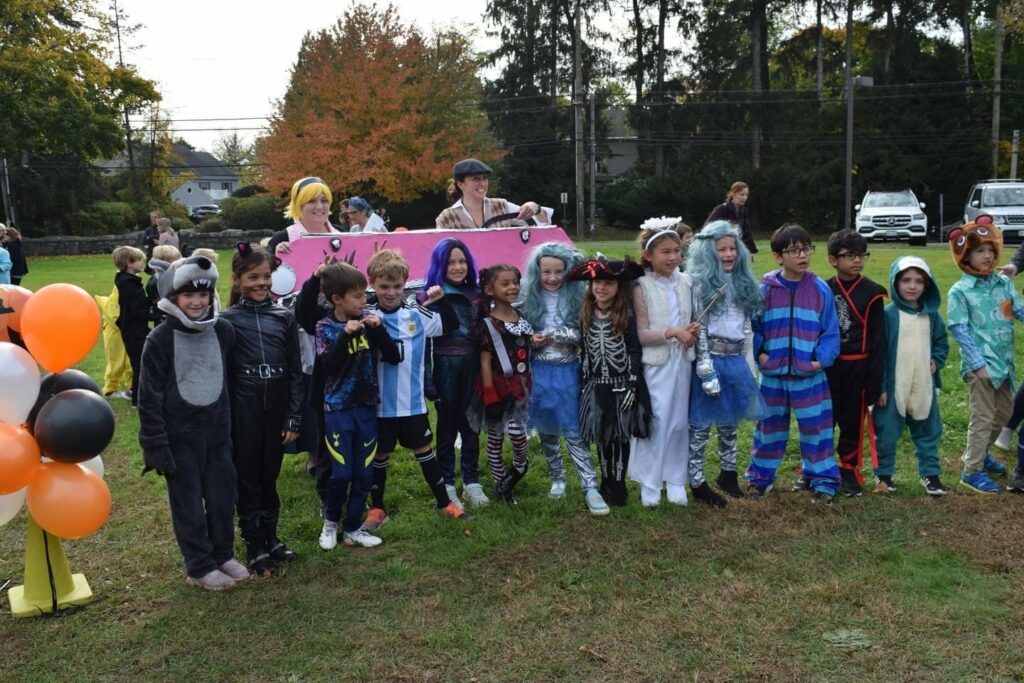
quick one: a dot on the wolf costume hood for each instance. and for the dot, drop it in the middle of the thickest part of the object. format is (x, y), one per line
(192, 274)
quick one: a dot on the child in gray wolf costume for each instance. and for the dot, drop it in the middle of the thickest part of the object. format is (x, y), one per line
(185, 421)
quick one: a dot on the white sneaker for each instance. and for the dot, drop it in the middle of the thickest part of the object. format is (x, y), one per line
(557, 488)
(474, 495)
(676, 494)
(361, 538)
(329, 536)
(453, 495)
(235, 569)
(215, 580)
(1005, 439)
(650, 497)
(596, 504)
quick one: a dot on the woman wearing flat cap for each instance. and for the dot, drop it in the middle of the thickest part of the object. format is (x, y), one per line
(472, 208)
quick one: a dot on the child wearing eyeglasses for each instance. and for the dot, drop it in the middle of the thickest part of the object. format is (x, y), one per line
(855, 380)
(795, 338)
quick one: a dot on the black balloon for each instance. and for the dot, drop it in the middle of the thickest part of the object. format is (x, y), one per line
(56, 382)
(74, 426)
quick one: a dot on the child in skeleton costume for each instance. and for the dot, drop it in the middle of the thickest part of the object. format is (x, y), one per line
(614, 403)
(552, 306)
(184, 413)
(501, 400)
(725, 298)
(663, 304)
(916, 351)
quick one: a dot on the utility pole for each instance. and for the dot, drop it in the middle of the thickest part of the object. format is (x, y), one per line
(127, 123)
(997, 87)
(1013, 154)
(848, 169)
(593, 168)
(577, 101)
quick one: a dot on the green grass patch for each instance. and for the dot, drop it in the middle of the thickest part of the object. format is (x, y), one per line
(879, 588)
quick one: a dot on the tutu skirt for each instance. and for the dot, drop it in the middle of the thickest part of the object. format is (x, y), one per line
(555, 398)
(739, 400)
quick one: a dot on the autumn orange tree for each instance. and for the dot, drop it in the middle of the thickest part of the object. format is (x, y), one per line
(374, 104)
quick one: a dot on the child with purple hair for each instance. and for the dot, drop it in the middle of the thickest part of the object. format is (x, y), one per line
(456, 365)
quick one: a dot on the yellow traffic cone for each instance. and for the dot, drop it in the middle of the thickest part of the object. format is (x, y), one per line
(49, 584)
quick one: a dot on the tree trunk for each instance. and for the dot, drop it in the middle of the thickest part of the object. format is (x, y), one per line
(659, 86)
(638, 77)
(970, 70)
(890, 41)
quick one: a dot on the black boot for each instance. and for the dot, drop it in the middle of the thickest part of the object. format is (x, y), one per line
(706, 494)
(259, 560)
(728, 483)
(616, 496)
(277, 550)
(503, 489)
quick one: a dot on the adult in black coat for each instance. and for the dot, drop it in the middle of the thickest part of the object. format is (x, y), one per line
(12, 242)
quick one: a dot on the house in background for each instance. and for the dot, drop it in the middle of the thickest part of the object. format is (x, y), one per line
(209, 180)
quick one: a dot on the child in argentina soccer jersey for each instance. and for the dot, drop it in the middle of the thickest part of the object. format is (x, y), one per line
(402, 411)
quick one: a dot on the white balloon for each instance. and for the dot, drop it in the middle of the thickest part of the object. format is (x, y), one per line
(19, 377)
(95, 464)
(11, 504)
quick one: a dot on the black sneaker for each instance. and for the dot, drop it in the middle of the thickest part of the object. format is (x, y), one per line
(850, 487)
(822, 498)
(933, 486)
(802, 484)
(1016, 485)
(758, 492)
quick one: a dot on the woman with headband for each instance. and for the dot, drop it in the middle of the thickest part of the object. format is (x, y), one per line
(473, 209)
(310, 208)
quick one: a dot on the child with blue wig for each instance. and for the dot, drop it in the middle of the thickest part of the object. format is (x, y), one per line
(551, 303)
(725, 298)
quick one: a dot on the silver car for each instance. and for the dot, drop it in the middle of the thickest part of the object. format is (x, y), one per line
(892, 215)
(1004, 201)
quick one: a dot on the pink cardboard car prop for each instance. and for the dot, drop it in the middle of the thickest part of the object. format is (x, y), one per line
(493, 245)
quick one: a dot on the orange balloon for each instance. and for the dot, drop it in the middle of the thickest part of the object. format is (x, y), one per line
(60, 324)
(68, 500)
(12, 303)
(19, 458)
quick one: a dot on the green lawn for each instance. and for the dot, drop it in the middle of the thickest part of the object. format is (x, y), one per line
(878, 588)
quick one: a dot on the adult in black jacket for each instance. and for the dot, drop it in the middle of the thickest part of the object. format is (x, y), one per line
(734, 210)
(12, 242)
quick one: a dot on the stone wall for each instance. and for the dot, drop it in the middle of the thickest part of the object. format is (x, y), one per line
(70, 245)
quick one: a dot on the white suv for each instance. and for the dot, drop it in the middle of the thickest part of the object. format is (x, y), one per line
(1004, 201)
(892, 216)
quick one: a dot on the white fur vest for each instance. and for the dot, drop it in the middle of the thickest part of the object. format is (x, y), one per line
(657, 315)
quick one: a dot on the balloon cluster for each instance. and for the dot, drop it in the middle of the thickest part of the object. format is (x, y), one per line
(52, 428)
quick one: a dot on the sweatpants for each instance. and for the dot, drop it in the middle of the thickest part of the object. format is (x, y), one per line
(990, 409)
(847, 382)
(351, 439)
(924, 433)
(202, 498)
(257, 417)
(133, 344)
(579, 451)
(809, 399)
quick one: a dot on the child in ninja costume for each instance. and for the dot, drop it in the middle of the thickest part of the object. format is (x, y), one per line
(184, 414)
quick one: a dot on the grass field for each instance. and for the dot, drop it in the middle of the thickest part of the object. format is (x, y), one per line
(902, 587)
